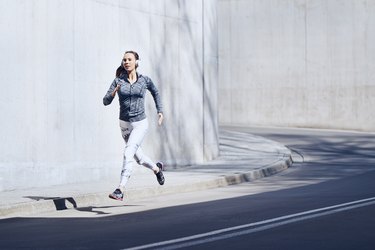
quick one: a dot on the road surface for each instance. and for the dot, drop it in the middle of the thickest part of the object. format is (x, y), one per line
(326, 200)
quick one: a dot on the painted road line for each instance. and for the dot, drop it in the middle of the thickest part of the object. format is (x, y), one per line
(254, 227)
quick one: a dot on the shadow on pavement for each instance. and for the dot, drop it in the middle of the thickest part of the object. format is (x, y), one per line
(125, 230)
(60, 202)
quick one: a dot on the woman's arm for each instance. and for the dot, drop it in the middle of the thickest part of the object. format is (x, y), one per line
(161, 118)
(111, 93)
(157, 99)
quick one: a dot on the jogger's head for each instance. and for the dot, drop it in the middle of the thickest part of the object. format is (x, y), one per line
(129, 63)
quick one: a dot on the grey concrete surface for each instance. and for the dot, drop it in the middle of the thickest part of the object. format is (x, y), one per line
(312, 60)
(58, 60)
(243, 157)
(324, 201)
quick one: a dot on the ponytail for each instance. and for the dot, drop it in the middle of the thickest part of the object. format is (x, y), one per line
(119, 71)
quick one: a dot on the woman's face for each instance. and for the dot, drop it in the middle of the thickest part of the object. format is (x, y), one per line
(128, 62)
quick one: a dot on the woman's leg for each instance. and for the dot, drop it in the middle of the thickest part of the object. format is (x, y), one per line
(133, 134)
(145, 161)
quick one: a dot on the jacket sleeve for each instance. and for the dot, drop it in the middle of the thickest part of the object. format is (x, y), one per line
(155, 94)
(108, 98)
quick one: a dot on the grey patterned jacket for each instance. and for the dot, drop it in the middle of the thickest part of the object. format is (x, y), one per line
(132, 97)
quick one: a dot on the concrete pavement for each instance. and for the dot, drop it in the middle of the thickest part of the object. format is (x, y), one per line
(243, 157)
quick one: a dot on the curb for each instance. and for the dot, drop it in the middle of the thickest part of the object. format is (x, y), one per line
(87, 200)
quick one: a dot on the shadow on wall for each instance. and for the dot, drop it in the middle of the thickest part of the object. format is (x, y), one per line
(185, 130)
(211, 88)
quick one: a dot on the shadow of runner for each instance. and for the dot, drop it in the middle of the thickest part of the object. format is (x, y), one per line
(60, 202)
(93, 208)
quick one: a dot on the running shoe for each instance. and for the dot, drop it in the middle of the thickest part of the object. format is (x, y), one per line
(117, 195)
(160, 175)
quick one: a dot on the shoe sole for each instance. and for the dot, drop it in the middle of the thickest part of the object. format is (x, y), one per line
(160, 183)
(160, 165)
(115, 198)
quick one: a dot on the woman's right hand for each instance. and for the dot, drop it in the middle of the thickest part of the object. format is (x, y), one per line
(116, 89)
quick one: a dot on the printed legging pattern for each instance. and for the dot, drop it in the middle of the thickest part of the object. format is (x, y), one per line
(133, 134)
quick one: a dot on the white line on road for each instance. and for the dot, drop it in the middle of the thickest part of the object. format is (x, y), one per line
(254, 227)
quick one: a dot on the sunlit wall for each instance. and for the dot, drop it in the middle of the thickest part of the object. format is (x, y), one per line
(58, 59)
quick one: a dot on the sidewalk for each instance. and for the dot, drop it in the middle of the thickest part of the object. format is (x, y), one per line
(243, 157)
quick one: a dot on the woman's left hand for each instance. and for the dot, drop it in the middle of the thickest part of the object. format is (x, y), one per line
(161, 117)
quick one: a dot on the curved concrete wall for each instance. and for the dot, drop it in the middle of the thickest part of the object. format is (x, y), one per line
(297, 63)
(58, 59)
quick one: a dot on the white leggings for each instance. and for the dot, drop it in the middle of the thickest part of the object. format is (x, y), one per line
(133, 134)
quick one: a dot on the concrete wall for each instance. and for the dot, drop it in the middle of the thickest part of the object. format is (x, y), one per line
(297, 63)
(58, 59)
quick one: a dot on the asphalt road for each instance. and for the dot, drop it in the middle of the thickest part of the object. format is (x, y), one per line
(325, 201)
